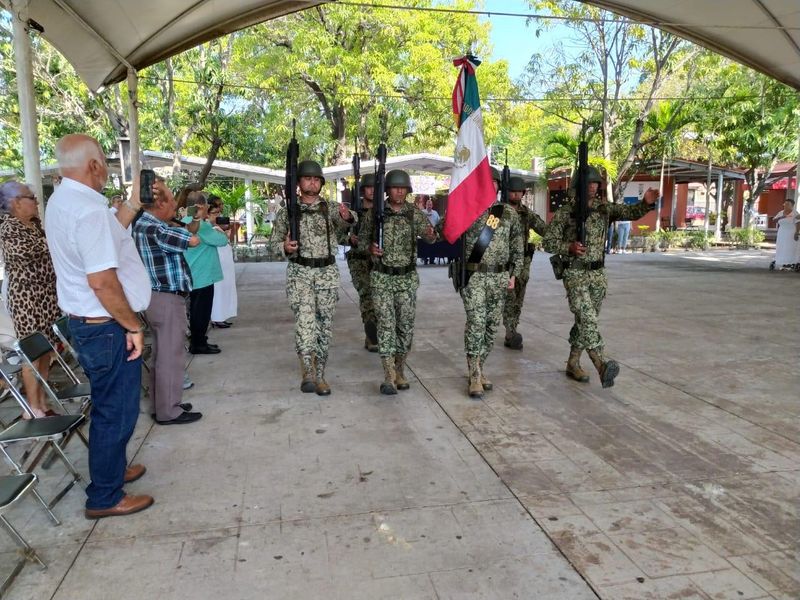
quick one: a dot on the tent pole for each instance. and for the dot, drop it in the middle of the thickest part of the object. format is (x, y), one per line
(133, 120)
(27, 99)
(718, 221)
(248, 210)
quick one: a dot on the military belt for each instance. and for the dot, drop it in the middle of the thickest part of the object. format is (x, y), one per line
(314, 263)
(352, 255)
(381, 268)
(484, 268)
(592, 266)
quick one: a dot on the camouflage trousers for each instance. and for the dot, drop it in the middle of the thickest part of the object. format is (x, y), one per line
(585, 293)
(483, 298)
(312, 295)
(359, 273)
(514, 300)
(395, 298)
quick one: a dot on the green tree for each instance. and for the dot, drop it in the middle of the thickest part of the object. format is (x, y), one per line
(369, 74)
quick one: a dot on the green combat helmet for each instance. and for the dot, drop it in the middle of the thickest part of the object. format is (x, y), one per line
(310, 168)
(368, 180)
(594, 176)
(516, 184)
(496, 175)
(398, 178)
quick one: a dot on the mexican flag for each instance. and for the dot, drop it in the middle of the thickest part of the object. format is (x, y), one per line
(471, 187)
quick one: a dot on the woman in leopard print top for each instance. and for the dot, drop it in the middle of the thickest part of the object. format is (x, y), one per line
(32, 301)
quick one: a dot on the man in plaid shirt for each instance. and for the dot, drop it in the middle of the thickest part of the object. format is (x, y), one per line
(161, 247)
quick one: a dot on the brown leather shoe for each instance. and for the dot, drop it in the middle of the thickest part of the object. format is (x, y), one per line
(134, 472)
(127, 506)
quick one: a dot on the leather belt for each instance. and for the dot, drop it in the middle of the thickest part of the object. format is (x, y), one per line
(314, 263)
(381, 268)
(176, 292)
(91, 320)
(484, 268)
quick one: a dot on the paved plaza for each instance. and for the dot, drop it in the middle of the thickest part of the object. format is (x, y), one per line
(680, 482)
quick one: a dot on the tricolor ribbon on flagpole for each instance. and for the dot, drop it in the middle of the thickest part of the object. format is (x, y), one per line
(471, 187)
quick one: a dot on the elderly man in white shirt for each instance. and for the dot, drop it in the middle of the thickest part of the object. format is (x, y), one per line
(101, 285)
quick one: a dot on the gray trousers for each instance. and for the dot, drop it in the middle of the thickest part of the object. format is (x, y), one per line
(167, 317)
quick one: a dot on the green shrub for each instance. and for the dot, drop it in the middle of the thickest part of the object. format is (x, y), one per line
(698, 239)
(746, 237)
(671, 239)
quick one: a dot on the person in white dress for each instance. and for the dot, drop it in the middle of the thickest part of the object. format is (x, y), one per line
(226, 301)
(786, 244)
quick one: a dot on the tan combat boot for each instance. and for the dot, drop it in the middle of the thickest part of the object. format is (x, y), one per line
(322, 388)
(475, 386)
(388, 387)
(485, 383)
(608, 369)
(370, 336)
(309, 382)
(399, 372)
(574, 369)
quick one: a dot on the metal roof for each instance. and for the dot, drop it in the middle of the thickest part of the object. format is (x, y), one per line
(762, 34)
(429, 163)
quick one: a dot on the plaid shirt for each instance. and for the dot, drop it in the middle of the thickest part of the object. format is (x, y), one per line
(161, 248)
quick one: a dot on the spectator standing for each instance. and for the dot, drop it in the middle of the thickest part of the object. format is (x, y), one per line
(101, 284)
(31, 299)
(226, 301)
(432, 215)
(206, 270)
(162, 247)
(623, 232)
(788, 222)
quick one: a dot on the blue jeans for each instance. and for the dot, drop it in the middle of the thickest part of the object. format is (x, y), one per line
(609, 238)
(623, 231)
(115, 406)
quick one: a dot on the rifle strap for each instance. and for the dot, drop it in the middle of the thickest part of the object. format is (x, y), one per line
(487, 233)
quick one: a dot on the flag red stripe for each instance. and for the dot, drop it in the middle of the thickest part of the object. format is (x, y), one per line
(471, 198)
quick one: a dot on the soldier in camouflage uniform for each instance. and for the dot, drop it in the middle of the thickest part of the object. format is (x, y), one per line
(394, 276)
(312, 276)
(358, 261)
(529, 221)
(585, 276)
(489, 281)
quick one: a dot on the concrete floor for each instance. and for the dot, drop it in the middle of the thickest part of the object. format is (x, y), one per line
(680, 482)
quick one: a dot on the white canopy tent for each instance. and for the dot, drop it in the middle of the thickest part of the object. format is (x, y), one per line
(109, 40)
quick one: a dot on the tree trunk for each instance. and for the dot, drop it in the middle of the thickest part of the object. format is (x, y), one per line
(212, 156)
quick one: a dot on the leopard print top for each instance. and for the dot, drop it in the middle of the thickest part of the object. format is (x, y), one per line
(32, 302)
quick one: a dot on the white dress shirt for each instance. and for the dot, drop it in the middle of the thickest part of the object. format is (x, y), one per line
(85, 237)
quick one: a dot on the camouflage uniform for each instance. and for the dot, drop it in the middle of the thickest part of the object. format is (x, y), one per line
(485, 294)
(585, 279)
(358, 261)
(529, 221)
(395, 295)
(312, 290)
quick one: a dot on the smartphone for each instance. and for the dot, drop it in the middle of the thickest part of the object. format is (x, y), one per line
(223, 220)
(147, 178)
(191, 211)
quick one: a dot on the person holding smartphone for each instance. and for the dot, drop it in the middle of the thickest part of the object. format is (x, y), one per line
(226, 301)
(206, 270)
(162, 246)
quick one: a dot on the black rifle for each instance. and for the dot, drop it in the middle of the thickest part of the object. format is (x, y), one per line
(379, 199)
(582, 192)
(505, 181)
(355, 201)
(292, 208)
